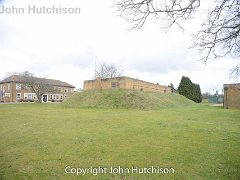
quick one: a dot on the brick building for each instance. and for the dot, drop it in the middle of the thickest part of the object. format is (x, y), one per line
(232, 96)
(14, 89)
(124, 83)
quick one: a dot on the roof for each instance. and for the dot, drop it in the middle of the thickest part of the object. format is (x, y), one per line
(123, 77)
(232, 85)
(21, 79)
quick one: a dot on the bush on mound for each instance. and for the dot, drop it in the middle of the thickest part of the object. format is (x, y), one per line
(125, 99)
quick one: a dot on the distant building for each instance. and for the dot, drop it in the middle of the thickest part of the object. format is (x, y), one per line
(232, 96)
(13, 89)
(125, 83)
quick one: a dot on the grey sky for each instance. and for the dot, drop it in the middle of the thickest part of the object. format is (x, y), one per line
(65, 47)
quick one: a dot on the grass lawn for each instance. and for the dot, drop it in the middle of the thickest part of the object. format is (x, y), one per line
(38, 141)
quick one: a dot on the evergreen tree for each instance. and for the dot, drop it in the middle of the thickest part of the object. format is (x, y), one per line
(190, 90)
(172, 87)
(199, 94)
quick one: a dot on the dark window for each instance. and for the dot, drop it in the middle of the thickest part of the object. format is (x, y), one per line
(115, 85)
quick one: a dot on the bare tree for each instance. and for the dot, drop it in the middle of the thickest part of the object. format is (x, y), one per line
(39, 86)
(235, 73)
(220, 33)
(168, 12)
(106, 71)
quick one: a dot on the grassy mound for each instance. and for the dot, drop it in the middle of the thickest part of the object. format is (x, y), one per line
(126, 99)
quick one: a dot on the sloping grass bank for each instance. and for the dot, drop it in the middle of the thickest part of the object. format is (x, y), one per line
(126, 99)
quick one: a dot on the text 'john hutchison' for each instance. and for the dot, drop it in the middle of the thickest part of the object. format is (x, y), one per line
(33, 9)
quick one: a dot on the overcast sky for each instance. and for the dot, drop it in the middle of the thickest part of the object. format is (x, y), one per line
(65, 47)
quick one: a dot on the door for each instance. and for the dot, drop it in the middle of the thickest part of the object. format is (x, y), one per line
(44, 98)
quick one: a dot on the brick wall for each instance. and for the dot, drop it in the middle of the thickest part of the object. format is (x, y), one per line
(232, 96)
(11, 90)
(125, 83)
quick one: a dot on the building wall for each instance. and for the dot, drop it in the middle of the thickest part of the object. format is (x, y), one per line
(232, 96)
(125, 83)
(14, 92)
(7, 89)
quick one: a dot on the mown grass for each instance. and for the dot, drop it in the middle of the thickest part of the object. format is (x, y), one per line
(39, 140)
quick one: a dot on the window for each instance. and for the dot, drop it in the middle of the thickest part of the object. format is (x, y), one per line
(66, 90)
(115, 85)
(25, 87)
(9, 85)
(18, 86)
(7, 94)
(59, 89)
(30, 96)
(18, 95)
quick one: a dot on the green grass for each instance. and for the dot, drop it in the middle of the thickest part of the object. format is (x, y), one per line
(37, 141)
(126, 99)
